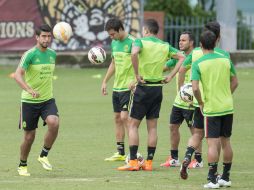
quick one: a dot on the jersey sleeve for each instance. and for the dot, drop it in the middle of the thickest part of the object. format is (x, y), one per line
(172, 51)
(195, 72)
(187, 62)
(232, 69)
(25, 60)
(171, 63)
(138, 43)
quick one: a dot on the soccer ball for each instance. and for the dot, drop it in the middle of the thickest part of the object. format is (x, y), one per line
(96, 55)
(62, 31)
(140, 159)
(186, 93)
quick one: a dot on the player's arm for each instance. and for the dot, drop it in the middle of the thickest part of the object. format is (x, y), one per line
(169, 65)
(19, 77)
(197, 93)
(233, 78)
(183, 69)
(109, 74)
(180, 57)
(195, 77)
(134, 59)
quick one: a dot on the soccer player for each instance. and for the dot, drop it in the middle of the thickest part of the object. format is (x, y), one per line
(181, 110)
(34, 75)
(198, 120)
(149, 55)
(218, 78)
(121, 67)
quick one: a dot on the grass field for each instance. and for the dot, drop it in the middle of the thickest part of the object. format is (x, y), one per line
(87, 136)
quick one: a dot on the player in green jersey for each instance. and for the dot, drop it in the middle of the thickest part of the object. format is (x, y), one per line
(198, 123)
(217, 75)
(34, 75)
(121, 68)
(149, 55)
(181, 110)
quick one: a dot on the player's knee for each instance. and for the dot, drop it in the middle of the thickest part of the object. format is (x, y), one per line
(29, 138)
(53, 122)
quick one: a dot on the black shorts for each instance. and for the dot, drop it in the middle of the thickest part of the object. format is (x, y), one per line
(218, 126)
(121, 100)
(146, 101)
(31, 112)
(179, 114)
(198, 121)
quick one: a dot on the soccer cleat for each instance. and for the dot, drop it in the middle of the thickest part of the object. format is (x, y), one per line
(131, 166)
(148, 165)
(45, 163)
(116, 157)
(184, 169)
(195, 164)
(224, 183)
(22, 170)
(212, 185)
(170, 162)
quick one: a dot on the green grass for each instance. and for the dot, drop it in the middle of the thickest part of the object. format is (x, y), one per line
(86, 137)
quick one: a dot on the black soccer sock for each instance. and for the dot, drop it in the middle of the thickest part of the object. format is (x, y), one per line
(212, 174)
(189, 152)
(198, 156)
(226, 171)
(174, 154)
(44, 151)
(23, 163)
(133, 152)
(150, 152)
(120, 148)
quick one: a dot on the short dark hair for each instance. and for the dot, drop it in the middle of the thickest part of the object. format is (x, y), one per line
(208, 40)
(213, 26)
(191, 36)
(152, 26)
(43, 28)
(115, 24)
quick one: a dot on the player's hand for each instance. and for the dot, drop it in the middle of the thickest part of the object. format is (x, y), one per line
(201, 106)
(132, 86)
(166, 80)
(104, 89)
(34, 93)
(140, 79)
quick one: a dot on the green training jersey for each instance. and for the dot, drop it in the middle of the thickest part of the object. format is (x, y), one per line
(152, 57)
(194, 56)
(178, 101)
(121, 53)
(214, 72)
(39, 67)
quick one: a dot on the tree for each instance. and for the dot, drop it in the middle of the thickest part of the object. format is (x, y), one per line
(170, 7)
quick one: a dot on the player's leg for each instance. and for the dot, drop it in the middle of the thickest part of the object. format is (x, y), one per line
(176, 119)
(29, 122)
(194, 141)
(151, 143)
(212, 134)
(120, 102)
(137, 112)
(225, 181)
(197, 162)
(154, 96)
(51, 119)
(133, 138)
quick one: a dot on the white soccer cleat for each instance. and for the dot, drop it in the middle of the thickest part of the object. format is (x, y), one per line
(212, 185)
(224, 183)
